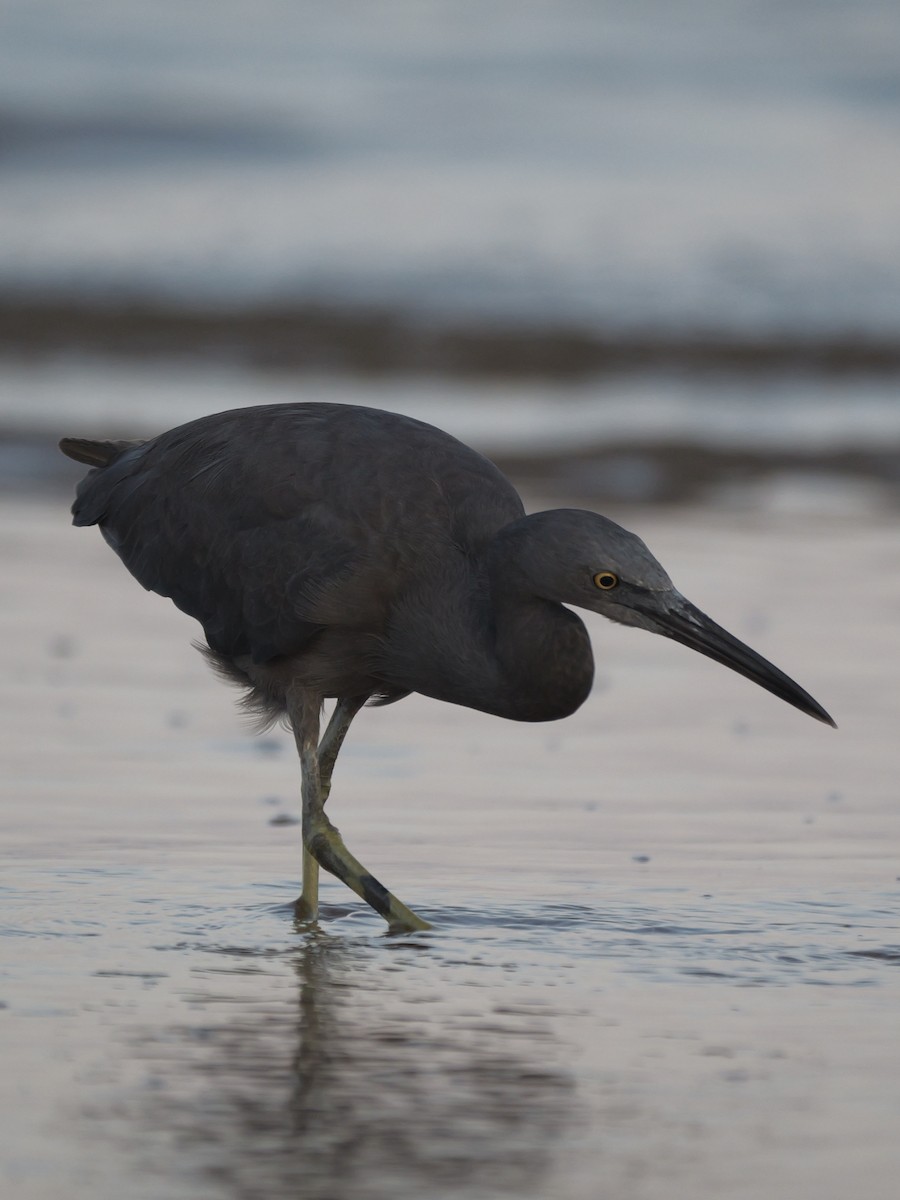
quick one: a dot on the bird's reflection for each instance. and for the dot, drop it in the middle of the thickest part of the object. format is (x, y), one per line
(385, 1074)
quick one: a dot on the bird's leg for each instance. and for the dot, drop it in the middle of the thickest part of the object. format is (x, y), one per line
(305, 723)
(327, 752)
(333, 738)
(323, 845)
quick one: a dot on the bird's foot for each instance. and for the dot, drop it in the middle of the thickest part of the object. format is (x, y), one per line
(412, 923)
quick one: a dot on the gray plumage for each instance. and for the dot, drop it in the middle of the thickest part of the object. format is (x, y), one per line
(337, 551)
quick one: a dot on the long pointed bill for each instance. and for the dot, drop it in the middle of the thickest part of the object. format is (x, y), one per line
(689, 625)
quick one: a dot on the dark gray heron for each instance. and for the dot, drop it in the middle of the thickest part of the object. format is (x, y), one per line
(337, 552)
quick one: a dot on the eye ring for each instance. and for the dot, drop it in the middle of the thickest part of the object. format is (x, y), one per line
(605, 580)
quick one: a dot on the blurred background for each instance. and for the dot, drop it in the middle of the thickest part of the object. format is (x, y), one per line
(639, 252)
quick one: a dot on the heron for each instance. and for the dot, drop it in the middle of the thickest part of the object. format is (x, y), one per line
(337, 552)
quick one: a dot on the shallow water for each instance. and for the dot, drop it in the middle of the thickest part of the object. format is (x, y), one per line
(198, 1045)
(667, 931)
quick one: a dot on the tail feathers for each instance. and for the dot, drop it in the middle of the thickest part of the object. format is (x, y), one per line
(93, 453)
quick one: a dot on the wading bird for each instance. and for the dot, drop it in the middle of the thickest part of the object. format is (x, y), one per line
(332, 551)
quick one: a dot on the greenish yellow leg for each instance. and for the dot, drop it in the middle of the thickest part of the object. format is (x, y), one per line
(333, 739)
(307, 907)
(328, 847)
(327, 752)
(322, 844)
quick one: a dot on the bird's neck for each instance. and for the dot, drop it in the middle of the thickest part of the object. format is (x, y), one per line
(479, 633)
(479, 639)
(542, 652)
(543, 656)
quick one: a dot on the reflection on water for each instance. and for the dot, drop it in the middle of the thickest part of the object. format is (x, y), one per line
(366, 1079)
(467, 1061)
(355, 1064)
(358, 1065)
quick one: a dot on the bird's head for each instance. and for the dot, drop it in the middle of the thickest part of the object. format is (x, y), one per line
(576, 557)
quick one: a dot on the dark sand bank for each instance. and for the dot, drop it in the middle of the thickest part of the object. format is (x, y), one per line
(309, 336)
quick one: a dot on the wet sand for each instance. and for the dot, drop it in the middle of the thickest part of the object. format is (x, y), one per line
(666, 958)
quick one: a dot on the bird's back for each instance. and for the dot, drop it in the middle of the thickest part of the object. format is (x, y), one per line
(271, 524)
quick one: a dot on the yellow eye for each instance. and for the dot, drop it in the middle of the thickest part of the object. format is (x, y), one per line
(605, 580)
